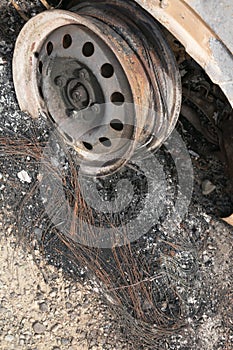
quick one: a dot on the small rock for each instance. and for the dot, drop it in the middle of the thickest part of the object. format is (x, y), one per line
(39, 177)
(206, 258)
(68, 305)
(43, 307)
(55, 327)
(53, 294)
(65, 341)
(207, 187)
(24, 177)
(9, 338)
(3, 310)
(38, 232)
(194, 154)
(38, 328)
(21, 342)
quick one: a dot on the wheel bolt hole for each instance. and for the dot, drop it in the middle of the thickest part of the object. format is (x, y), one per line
(67, 41)
(49, 48)
(40, 67)
(117, 98)
(88, 146)
(107, 70)
(105, 141)
(117, 125)
(88, 49)
(41, 92)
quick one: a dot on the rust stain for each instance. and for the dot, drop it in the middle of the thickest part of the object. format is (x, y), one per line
(33, 46)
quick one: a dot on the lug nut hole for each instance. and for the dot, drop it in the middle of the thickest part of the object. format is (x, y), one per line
(41, 92)
(40, 67)
(117, 98)
(67, 41)
(49, 48)
(88, 49)
(117, 125)
(87, 146)
(105, 141)
(107, 70)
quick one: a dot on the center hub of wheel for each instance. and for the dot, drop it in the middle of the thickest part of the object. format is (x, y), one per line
(76, 85)
(79, 96)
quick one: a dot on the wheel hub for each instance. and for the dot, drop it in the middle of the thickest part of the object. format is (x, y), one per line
(78, 94)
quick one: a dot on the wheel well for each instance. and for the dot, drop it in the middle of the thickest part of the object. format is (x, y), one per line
(199, 40)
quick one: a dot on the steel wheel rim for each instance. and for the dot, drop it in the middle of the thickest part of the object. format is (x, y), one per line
(149, 115)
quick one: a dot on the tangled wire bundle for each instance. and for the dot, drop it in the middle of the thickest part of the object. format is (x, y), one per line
(140, 279)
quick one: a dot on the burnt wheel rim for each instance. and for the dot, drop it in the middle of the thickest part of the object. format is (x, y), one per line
(108, 81)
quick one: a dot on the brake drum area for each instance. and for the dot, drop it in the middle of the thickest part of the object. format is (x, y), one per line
(104, 75)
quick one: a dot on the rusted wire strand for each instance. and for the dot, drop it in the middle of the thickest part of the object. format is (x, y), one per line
(21, 13)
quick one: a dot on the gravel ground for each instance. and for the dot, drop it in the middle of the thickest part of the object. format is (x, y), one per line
(47, 302)
(45, 310)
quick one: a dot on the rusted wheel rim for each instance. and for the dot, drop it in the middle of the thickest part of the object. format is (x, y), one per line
(106, 81)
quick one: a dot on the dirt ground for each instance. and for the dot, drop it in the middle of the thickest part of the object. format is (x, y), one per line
(47, 311)
(47, 302)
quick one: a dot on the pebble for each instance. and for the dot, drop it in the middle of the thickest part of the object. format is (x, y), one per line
(55, 327)
(53, 294)
(43, 307)
(38, 328)
(9, 338)
(38, 232)
(24, 177)
(68, 305)
(65, 341)
(3, 310)
(207, 187)
(194, 154)
(206, 258)
(21, 342)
